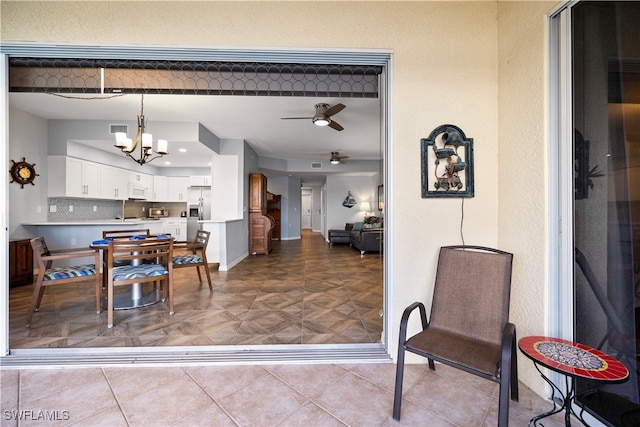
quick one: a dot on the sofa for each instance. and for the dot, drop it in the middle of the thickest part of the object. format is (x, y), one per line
(367, 236)
(341, 236)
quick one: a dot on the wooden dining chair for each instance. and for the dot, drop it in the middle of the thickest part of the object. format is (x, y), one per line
(121, 234)
(195, 256)
(126, 265)
(468, 327)
(118, 234)
(49, 275)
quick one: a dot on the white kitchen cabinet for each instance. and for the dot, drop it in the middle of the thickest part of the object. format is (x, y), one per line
(177, 187)
(155, 227)
(200, 181)
(177, 227)
(113, 183)
(71, 177)
(159, 188)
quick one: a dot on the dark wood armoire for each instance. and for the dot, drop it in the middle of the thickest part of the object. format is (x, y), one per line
(260, 224)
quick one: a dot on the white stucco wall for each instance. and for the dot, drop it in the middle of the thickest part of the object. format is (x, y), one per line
(476, 64)
(523, 166)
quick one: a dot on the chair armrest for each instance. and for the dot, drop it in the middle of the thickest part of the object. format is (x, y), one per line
(73, 254)
(192, 246)
(508, 341)
(83, 249)
(509, 362)
(405, 320)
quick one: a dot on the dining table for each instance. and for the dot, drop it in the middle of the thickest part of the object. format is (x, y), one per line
(137, 297)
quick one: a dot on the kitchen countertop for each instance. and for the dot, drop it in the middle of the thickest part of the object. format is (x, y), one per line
(95, 222)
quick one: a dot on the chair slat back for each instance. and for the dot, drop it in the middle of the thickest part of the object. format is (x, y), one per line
(139, 250)
(472, 292)
(202, 237)
(40, 249)
(119, 234)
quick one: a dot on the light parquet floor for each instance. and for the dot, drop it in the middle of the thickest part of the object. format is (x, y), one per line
(303, 292)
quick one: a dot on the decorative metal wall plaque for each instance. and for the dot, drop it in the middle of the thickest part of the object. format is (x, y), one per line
(447, 163)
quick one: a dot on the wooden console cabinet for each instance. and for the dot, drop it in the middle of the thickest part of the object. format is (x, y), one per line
(273, 210)
(20, 262)
(260, 224)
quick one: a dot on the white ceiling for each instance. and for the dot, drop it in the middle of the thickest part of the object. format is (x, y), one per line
(255, 119)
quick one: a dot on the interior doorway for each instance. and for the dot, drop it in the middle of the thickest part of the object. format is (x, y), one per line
(307, 209)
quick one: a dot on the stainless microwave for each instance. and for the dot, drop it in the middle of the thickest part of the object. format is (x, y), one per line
(158, 212)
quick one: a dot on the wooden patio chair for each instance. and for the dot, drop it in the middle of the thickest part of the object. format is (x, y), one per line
(196, 255)
(126, 266)
(49, 275)
(468, 327)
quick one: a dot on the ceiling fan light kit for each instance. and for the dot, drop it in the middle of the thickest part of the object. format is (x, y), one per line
(323, 114)
(335, 158)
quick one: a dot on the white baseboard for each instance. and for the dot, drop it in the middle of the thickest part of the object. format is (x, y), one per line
(233, 263)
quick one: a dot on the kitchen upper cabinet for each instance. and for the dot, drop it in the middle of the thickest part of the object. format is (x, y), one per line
(159, 188)
(139, 185)
(71, 177)
(200, 181)
(177, 187)
(113, 182)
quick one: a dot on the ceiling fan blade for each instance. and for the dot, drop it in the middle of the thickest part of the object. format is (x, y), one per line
(334, 109)
(295, 118)
(335, 125)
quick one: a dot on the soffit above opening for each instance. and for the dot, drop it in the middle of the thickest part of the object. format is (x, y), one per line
(64, 75)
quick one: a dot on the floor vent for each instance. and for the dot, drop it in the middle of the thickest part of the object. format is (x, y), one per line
(316, 165)
(118, 128)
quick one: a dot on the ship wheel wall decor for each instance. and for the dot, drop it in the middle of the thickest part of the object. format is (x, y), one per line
(22, 172)
(447, 163)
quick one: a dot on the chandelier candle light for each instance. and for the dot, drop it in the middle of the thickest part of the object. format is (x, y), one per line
(143, 139)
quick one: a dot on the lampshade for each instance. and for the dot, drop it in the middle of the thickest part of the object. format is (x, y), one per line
(121, 139)
(365, 206)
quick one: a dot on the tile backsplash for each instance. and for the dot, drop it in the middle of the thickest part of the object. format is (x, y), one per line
(141, 209)
(69, 210)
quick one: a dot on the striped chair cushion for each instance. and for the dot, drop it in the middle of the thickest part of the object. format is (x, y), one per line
(187, 259)
(57, 273)
(138, 271)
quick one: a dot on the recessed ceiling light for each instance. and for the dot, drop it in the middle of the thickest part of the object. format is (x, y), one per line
(167, 163)
(182, 150)
(209, 163)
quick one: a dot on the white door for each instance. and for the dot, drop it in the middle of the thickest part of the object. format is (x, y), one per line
(306, 211)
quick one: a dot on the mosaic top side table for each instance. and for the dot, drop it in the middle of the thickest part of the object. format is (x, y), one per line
(573, 360)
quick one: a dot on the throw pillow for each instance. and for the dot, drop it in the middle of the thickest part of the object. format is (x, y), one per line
(357, 226)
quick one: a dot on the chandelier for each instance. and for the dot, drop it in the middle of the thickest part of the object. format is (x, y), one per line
(143, 140)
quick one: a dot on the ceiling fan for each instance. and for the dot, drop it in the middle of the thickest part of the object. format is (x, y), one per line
(336, 158)
(323, 115)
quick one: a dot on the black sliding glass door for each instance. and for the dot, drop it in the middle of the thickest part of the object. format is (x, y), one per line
(606, 146)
